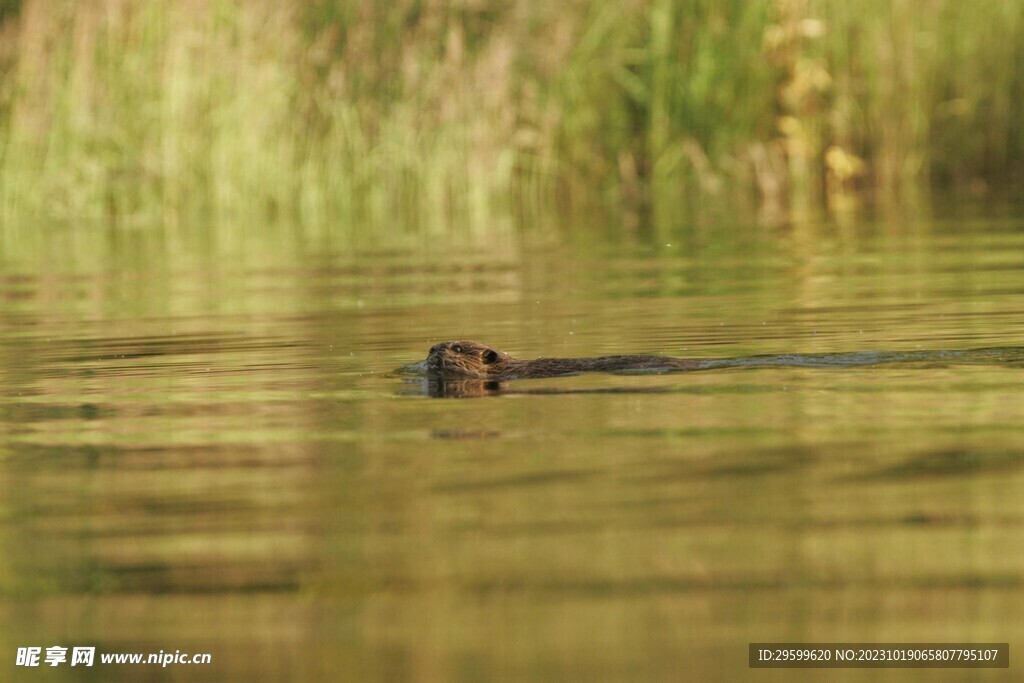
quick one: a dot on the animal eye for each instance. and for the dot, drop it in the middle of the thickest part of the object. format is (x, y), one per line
(457, 348)
(490, 356)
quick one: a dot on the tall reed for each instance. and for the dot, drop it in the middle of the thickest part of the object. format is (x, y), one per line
(426, 115)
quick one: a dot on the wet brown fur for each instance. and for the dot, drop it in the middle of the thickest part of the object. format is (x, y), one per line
(465, 359)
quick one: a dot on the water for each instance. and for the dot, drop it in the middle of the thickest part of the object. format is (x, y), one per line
(204, 447)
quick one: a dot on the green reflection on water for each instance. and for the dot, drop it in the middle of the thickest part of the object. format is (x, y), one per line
(215, 454)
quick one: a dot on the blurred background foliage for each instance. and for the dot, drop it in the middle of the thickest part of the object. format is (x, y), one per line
(347, 114)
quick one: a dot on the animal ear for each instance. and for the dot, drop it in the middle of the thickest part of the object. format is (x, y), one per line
(490, 357)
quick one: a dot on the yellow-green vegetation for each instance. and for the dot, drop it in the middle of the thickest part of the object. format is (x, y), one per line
(426, 113)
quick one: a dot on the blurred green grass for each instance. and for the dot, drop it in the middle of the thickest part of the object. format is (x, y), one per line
(436, 116)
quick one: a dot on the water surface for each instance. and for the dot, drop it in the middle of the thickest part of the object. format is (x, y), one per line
(203, 446)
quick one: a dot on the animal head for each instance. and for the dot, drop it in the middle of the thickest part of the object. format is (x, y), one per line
(463, 359)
